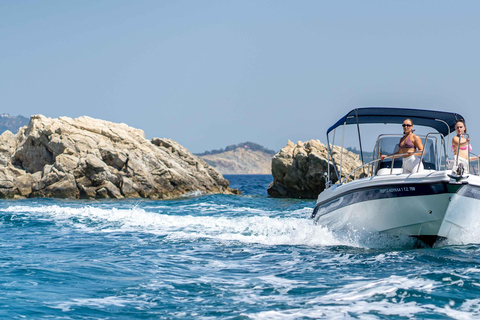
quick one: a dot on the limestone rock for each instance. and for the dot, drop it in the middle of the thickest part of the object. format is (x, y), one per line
(298, 170)
(64, 188)
(90, 158)
(7, 148)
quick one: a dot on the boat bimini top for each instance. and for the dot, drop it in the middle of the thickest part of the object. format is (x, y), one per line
(442, 122)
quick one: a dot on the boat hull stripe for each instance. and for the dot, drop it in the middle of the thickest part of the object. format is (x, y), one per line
(380, 192)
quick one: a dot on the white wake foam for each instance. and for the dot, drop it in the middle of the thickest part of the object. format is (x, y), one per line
(367, 299)
(219, 221)
(269, 229)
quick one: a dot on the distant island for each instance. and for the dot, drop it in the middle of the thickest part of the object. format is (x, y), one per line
(245, 145)
(242, 158)
(12, 123)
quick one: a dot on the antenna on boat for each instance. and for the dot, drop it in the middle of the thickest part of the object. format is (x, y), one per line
(360, 139)
(341, 150)
(330, 156)
(359, 136)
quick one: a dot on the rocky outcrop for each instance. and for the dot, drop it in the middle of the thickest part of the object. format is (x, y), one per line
(240, 161)
(90, 158)
(298, 170)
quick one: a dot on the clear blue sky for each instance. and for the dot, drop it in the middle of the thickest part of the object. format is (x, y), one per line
(213, 73)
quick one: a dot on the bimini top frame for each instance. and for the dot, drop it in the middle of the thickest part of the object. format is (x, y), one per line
(443, 122)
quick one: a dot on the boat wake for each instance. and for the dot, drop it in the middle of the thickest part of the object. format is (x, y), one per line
(255, 227)
(216, 222)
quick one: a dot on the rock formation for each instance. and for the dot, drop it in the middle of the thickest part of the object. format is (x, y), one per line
(240, 161)
(90, 158)
(298, 170)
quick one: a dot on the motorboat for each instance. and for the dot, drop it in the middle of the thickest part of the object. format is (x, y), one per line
(432, 204)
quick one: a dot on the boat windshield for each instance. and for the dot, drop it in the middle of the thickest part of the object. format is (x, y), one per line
(388, 144)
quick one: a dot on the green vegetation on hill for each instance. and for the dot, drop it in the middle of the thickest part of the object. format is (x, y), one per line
(245, 145)
(7, 122)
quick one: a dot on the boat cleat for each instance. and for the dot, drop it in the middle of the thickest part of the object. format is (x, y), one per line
(457, 176)
(456, 179)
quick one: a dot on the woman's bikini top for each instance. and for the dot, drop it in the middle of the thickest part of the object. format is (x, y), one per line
(407, 143)
(464, 148)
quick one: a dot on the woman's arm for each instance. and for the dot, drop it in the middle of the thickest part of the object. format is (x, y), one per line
(417, 142)
(389, 156)
(462, 140)
(393, 155)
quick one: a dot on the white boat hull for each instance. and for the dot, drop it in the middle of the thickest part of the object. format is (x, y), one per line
(426, 205)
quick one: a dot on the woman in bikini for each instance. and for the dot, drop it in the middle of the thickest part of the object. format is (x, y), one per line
(411, 147)
(465, 146)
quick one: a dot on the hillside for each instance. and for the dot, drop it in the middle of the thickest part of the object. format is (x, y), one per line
(12, 123)
(243, 158)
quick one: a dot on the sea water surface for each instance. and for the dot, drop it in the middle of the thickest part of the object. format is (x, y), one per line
(220, 257)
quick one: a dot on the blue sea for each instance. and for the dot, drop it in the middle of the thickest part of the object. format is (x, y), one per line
(221, 257)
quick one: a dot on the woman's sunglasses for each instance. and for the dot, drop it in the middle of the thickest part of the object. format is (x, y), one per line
(407, 125)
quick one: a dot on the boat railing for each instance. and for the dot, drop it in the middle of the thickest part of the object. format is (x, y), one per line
(354, 171)
(396, 155)
(469, 156)
(477, 161)
(425, 143)
(371, 164)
